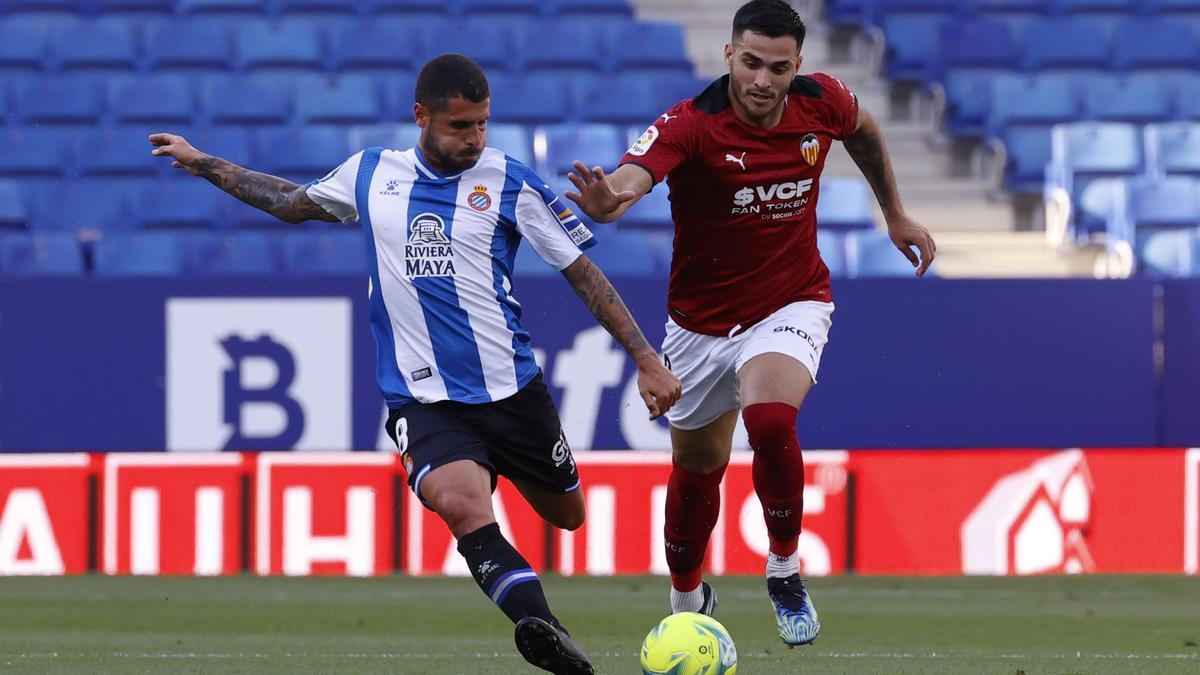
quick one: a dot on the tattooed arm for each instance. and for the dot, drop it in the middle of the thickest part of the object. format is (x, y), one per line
(281, 198)
(659, 388)
(866, 148)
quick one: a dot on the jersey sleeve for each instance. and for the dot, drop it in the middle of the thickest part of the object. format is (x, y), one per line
(335, 192)
(551, 228)
(667, 143)
(843, 111)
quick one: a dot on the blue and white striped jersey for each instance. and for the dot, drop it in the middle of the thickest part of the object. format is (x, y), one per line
(441, 249)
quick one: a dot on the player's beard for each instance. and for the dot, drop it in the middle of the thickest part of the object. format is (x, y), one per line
(758, 109)
(444, 161)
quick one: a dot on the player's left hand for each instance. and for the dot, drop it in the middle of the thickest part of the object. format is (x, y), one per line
(907, 233)
(659, 387)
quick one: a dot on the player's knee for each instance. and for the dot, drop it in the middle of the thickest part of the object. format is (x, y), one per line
(461, 511)
(770, 425)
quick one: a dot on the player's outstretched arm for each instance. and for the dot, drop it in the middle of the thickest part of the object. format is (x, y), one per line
(604, 198)
(868, 151)
(281, 198)
(659, 388)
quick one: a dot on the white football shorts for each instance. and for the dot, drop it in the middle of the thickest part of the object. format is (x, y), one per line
(708, 365)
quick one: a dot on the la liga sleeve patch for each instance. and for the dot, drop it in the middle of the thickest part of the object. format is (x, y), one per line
(642, 145)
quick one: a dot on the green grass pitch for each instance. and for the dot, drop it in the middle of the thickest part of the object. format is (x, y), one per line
(1097, 624)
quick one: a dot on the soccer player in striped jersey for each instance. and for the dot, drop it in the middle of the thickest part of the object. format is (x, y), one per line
(442, 222)
(749, 304)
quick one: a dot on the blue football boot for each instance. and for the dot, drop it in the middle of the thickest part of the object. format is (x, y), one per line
(794, 611)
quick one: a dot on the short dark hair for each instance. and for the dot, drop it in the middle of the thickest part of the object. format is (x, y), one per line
(772, 18)
(448, 76)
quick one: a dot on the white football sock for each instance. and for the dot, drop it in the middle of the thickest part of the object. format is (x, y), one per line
(689, 601)
(780, 567)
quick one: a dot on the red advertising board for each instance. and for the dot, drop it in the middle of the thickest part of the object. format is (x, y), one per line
(324, 513)
(166, 513)
(44, 514)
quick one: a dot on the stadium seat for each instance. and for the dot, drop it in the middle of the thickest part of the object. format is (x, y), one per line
(27, 255)
(12, 206)
(391, 136)
(910, 44)
(376, 46)
(313, 8)
(347, 101)
(844, 204)
(407, 8)
(1151, 204)
(652, 211)
(1170, 254)
(1174, 148)
(181, 203)
(649, 48)
(1157, 44)
(633, 253)
(531, 99)
(222, 8)
(528, 264)
(490, 44)
(236, 254)
(161, 99)
(21, 49)
(968, 101)
(114, 152)
(41, 8)
(1123, 7)
(243, 100)
(590, 8)
(832, 247)
(1027, 150)
(979, 43)
(340, 253)
(189, 46)
(1040, 100)
(286, 46)
(226, 142)
(85, 207)
(871, 253)
(514, 140)
(491, 8)
(58, 101)
(94, 46)
(1187, 97)
(623, 100)
(135, 254)
(592, 144)
(302, 154)
(562, 47)
(1139, 99)
(133, 8)
(1065, 44)
(1098, 148)
(1094, 201)
(31, 152)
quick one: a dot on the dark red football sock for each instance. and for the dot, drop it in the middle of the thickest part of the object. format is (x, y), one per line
(778, 471)
(693, 504)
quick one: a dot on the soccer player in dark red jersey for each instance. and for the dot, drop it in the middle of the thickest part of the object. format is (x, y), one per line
(749, 305)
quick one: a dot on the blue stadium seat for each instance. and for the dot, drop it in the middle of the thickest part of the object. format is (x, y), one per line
(242, 100)
(979, 43)
(528, 264)
(1094, 201)
(590, 8)
(649, 47)
(24, 255)
(31, 152)
(623, 100)
(490, 44)
(1187, 97)
(42, 8)
(1027, 151)
(226, 142)
(910, 45)
(189, 46)
(871, 253)
(491, 8)
(398, 95)
(375, 46)
(161, 99)
(832, 247)
(314, 8)
(1156, 44)
(1043, 100)
(562, 47)
(182, 203)
(286, 46)
(652, 211)
(592, 144)
(339, 253)
(968, 101)
(12, 206)
(1058, 43)
(1170, 254)
(117, 152)
(844, 204)
(84, 207)
(222, 8)
(1123, 7)
(137, 254)
(1150, 204)
(393, 136)
(514, 140)
(1175, 148)
(133, 8)
(302, 154)
(21, 50)
(235, 254)
(416, 9)
(1141, 98)
(58, 101)
(347, 101)
(94, 46)
(1098, 148)
(633, 253)
(532, 99)
(234, 214)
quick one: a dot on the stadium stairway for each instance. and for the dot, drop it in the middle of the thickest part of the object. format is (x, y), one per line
(979, 233)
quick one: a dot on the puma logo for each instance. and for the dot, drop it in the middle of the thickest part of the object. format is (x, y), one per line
(667, 118)
(740, 161)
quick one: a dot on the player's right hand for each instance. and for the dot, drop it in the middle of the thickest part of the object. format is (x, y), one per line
(596, 197)
(178, 149)
(659, 387)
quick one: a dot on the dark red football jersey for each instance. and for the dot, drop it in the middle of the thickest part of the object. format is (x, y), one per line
(744, 201)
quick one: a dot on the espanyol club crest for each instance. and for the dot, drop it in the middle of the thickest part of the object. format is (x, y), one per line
(810, 148)
(480, 200)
